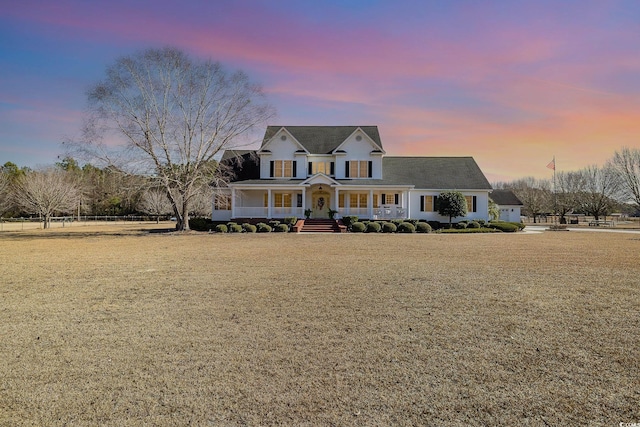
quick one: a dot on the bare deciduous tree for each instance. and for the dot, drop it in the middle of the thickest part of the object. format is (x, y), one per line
(46, 192)
(599, 191)
(173, 115)
(568, 186)
(535, 195)
(155, 202)
(626, 164)
(4, 192)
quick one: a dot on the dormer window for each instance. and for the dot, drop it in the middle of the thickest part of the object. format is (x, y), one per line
(283, 169)
(358, 169)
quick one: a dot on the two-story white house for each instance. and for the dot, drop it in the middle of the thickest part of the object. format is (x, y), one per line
(344, 169)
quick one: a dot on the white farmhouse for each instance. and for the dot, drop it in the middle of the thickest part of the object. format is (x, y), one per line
(338, 171)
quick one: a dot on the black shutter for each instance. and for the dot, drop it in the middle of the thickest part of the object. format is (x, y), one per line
(271, 168)
(370, 168)
(310, 171)
(435, 203)
(396, 197)
(333, 169)
(294, 166)
(421, 203)
(346, 169)
(384, 199)
(475, 204)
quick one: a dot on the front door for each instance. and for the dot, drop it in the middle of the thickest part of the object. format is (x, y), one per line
(321, 204)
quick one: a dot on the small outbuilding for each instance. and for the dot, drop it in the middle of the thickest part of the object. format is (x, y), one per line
(508, 203)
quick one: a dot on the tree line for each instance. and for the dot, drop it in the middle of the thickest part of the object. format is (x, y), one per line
(66, 188)
(596, 191)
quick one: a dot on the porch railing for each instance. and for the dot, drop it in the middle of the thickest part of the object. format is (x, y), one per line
(262, 212)
(390, 212)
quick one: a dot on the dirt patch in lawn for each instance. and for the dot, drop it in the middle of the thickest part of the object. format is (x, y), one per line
(137, 328)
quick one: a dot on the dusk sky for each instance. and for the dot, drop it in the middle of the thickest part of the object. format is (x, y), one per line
(511, 83)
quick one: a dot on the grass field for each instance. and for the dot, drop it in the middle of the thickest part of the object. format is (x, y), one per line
(118, 326)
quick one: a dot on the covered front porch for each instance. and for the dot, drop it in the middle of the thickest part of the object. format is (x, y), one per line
(317, 197)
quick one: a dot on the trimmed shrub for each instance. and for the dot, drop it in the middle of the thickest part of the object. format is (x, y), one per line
(473, 224)
(249, 228)
(389, 227)
(507, 227)
(406, 227)
(468, 230)
(263, 228)
(281, 228)
(290, 221)
(274, 223)
(482, 222)
(235, 228)
(200, 224)
(423, 227)
(411, 221)
(373, 227)
(435, 225)
(221, 228)
(397, 221)
(358, 227)
(348, 220)
(461, 225)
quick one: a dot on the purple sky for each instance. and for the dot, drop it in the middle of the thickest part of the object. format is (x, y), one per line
(511, 83)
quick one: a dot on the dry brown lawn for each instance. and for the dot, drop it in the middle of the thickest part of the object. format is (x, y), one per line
(120, 327)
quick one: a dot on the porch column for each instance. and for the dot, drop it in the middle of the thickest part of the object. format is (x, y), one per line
(371, 204)
(233, 202)
(337, 202)
(406, 203)
(269, 203)
(304, 199)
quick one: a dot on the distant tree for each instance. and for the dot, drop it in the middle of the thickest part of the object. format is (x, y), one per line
(13, 171)
(155, 202)
(494, 210)
(174, 114)
(452, 204)
(535, 194)
(568, 187)
(5, 202)
(626, 165)
(598, 193)
(46, 192)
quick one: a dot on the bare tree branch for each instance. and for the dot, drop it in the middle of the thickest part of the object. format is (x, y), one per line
(171, 117)
(46, 192)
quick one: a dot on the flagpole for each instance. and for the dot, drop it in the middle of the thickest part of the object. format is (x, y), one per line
(552, 165)
(555, 193)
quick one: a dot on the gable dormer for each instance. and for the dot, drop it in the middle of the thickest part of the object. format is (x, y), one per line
(282, 155)
(359, 156)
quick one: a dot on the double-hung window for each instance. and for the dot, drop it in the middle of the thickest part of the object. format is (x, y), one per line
(428, 203)
(283, 169)
(358, 169)
(471, 203)
(222, 202)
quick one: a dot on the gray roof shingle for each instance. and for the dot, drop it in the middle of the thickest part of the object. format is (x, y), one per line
(322, 139)
(454, 173)
(505, 197)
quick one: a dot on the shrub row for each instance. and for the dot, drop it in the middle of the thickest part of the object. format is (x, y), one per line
(389, 227)
(356, 226)
(204, 224)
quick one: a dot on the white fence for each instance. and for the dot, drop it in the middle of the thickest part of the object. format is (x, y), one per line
(18, 224)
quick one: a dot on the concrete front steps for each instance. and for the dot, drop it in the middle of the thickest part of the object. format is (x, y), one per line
(322, 226)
